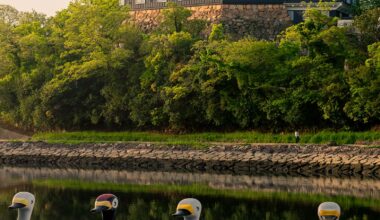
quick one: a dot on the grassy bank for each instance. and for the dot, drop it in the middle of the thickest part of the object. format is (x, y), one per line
(369, 137)
(198, 190)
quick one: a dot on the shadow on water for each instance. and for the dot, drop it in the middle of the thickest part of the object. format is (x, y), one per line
(69, 194)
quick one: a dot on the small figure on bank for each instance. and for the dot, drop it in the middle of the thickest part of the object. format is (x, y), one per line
(297, 135)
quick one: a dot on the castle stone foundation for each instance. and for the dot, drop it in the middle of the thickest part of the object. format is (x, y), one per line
(263, 21)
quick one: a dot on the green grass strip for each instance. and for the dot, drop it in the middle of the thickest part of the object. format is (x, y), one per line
(200, 139)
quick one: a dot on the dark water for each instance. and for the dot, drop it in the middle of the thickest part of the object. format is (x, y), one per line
(58, 201)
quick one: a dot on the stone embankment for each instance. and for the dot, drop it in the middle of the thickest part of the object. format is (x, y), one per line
(307, 160)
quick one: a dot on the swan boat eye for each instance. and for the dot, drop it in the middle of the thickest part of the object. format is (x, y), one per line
(115, 203)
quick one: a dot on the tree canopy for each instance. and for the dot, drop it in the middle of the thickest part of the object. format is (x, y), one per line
(89, 68)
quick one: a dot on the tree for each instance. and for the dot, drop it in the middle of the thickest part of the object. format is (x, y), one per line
(363, 6)
(9, 14)
(318, 90)
(368, 25)
(217, 32)
(94, 53)
(8, 60)
(164, 54)
(176, 18)
(193, 99)
(364, 82)
(374, 59)
(24, 67)
(318, 35)
(364, 104)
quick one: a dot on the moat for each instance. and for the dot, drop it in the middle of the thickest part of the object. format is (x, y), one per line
(70, 193)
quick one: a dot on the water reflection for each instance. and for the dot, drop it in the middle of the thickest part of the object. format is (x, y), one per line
(70, 204)
(363, 188)
(59, 202)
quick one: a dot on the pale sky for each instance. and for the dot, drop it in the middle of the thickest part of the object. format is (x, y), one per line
(49, 7)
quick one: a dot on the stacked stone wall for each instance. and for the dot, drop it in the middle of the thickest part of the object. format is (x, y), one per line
(308, 160)
(263, 21)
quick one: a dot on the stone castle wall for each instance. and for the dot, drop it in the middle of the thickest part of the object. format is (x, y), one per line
(263, 21)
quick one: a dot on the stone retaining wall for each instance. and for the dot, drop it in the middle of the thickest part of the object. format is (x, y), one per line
(293, 160)
(263, 21)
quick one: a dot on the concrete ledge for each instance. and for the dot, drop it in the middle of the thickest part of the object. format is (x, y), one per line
(307, 160)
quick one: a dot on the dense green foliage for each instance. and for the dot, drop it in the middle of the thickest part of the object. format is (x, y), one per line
(89, 68)
(203, 139)
(362, 6)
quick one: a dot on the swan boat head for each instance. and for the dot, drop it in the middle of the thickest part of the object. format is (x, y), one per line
(107, 205)
(189, 209)
(24, 203)
(329, 211)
